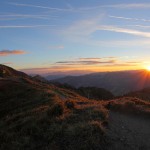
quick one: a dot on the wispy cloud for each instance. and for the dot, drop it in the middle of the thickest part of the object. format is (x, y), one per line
(26, 26)
(83, 9)
(90, 59)
(97, 58)
(82, 32)
(119, 6)
(24, 16)
(132, 19)
(75, 67)
(11, 52)
(124, 30)
(129, 6)
(86, 62)
(82, 29)
(139, 26)
(122, 65)
(42, 7)
(133, 62)
(88, 27)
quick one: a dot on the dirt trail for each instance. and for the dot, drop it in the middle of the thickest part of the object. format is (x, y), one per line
(128, 132)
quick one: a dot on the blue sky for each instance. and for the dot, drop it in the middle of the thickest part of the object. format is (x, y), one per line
(41, 36)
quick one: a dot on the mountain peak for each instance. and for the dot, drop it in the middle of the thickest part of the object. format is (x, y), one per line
(6, 72)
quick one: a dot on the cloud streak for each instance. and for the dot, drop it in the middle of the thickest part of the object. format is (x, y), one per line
(129, 6)
(90, 59)
(124, 30)
(25, 16)
(85, 28)
(11, 52)
(86, 62)
(26, 26)
(82, 31)
(119, 6)
(81, 9)
(97, 58)
(42, 7)
(140, 26)
(132, 19)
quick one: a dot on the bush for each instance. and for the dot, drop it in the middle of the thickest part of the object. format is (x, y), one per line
(70, 104)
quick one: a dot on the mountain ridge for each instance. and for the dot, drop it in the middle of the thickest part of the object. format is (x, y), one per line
(119, 83)
(6, 71)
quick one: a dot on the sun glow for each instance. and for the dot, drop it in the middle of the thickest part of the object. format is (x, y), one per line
(147, 68)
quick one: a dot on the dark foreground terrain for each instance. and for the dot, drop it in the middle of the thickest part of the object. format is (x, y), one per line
(36, 115)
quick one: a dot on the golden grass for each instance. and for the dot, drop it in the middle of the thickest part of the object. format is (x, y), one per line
(130, 105)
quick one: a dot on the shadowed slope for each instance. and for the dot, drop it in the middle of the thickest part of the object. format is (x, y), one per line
(35, 115)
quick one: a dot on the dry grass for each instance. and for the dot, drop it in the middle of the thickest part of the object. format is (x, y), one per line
(46, 117)
(130, 105)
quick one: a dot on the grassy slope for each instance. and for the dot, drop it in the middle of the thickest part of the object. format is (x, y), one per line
(143, 94)
(130, 105)
(41, 116)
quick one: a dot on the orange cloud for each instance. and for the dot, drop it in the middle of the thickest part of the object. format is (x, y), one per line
(86, 62)
(11, 52)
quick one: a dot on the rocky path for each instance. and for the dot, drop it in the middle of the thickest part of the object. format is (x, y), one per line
(128, 132)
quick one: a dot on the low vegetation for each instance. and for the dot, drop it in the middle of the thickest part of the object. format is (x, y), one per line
(130, 105)
(41, 116)
(143, 94)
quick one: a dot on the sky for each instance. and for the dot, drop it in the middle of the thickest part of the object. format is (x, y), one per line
(74, 36)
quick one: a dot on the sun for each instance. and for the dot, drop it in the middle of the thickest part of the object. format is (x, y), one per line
(147, 68)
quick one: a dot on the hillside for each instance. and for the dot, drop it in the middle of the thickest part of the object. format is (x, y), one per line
(38, 116)
(119, 83)
(6, 72)
(142, 94)
(35, 115)
(89, 92)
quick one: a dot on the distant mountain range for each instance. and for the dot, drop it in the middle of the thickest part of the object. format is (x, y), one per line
(53, 77)
(92, 93)
(56, 75)
(119, 83)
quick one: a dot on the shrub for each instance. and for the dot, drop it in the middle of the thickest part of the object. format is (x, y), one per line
(70, 104)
